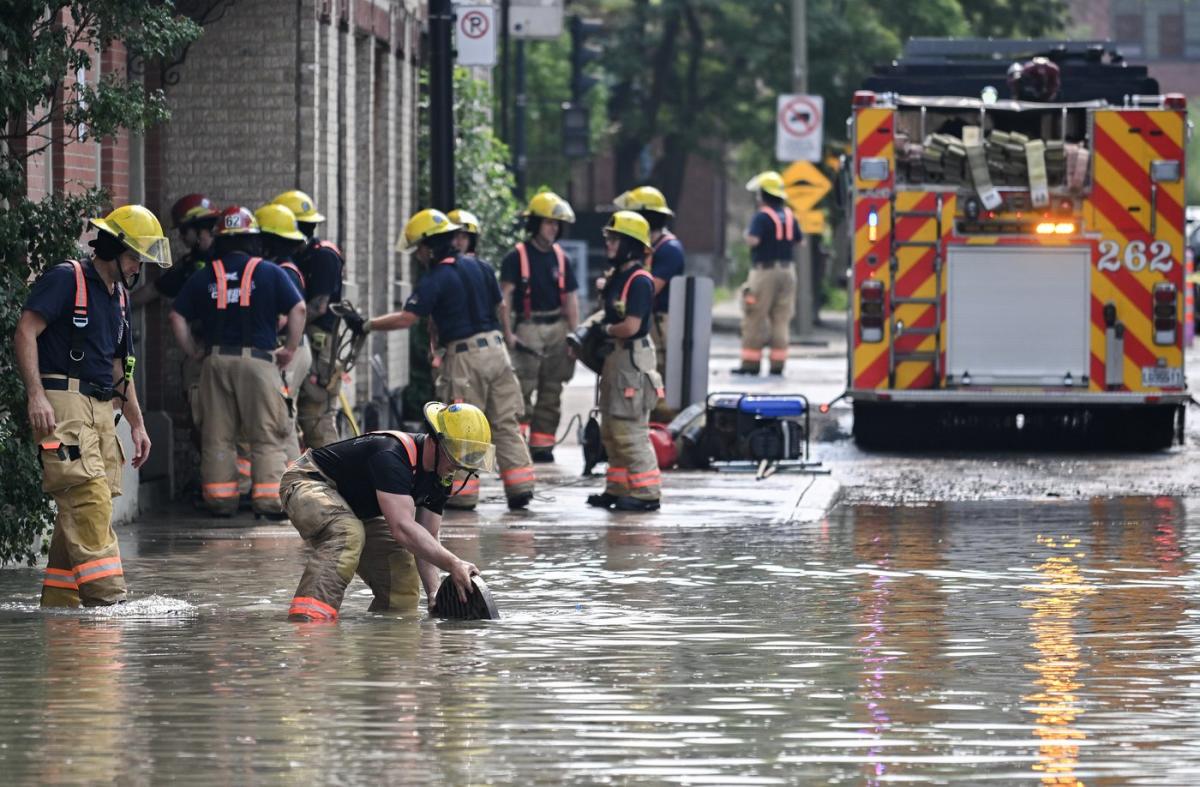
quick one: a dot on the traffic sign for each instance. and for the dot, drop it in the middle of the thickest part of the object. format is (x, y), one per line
(535, 18)
(798, 120)
(476, 35)
(805, 185)
(812, 222)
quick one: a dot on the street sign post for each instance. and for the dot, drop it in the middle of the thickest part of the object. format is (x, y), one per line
(476, 31)
(798, 120)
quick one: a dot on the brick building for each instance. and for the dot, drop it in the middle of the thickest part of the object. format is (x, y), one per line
(1163, 34)
(319, 95)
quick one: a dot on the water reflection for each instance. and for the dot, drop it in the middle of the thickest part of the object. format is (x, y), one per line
(1011, 643)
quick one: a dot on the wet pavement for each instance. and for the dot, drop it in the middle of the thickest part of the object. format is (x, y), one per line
(1007, 619)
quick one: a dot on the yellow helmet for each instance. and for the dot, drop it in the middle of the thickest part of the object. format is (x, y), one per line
(631, 225)
(465, 219)
(644, 198)
(769, 181)
(424, 224)
(276, 219)
(140, 231)
(301, 204)
(462, 430)
(548, 205)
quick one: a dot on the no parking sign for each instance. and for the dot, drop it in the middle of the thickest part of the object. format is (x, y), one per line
(476, 32)
(798, 120)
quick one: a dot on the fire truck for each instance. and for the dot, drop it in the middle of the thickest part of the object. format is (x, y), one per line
(1017, 265)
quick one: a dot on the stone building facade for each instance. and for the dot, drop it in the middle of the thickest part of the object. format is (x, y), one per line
(319, 95)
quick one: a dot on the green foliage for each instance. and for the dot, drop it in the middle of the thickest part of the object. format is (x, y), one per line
(1193, 156)
(36, 54)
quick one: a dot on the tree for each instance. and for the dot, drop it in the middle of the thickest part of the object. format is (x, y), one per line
(41, 43)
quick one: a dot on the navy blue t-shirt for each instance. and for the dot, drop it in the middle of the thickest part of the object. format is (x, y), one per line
(638, 301)
(363, 465)
(171, 281)
(543, 279)
(458, 311)
(321, 265)
(667, 263)
(770, 248)
(106, 337)
(272, 294)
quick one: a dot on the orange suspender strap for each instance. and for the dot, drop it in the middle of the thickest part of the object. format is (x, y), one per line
(410, 445)
(637, 273)
(291, 266)
(562, 274)
(331, 246)
(222, 289)
(770, 214)
(527, 294)
(789, 218)
(246, 283)
(658, 244)
(80, 318)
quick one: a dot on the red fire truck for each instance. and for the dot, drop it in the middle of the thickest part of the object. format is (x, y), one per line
(1017, 264)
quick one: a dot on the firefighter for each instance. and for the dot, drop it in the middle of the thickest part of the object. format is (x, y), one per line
(630, 387)
(370, 504)
(239, 299)
(323, 266)
(281, 238)
(666, 262)
(541, 293)
(74, 352)
(769, 296)
(461, 296)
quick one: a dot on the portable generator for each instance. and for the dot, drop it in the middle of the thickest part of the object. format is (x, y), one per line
(756, 428)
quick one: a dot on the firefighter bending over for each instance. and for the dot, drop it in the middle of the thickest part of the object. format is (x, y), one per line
(370, 505)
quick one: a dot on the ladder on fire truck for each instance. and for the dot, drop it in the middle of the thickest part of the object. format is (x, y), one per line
(898, 328)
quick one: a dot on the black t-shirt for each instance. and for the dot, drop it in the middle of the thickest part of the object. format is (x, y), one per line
(172, 280)
(461, 295)
(637, 300)
(543, 279)
(361, 466)
(321, 264)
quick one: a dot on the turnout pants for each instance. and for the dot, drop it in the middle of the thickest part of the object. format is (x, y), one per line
(318, 399)
(241, 396)
(629, 389)
(543, 373)
(768, 300)
(343, 545)
(293, 378)
(658, 334)
(82, 460)
(477, 371)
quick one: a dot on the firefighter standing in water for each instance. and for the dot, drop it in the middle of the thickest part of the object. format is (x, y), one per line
(239, 299)
(370, 504)
(541, 293)
(323, 266)
(630, 387)
(769, 297)
(281, 238)
(74, 352)
(666, 262)
(460, 294)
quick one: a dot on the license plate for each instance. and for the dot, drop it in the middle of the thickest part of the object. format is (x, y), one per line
(1162, 377)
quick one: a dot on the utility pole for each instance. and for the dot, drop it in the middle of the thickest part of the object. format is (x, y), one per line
(504, 76)
(441, 104)
(806, 299)
(518, 144)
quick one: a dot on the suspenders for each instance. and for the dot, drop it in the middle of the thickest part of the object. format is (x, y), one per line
(80, 319)
(784, 230)
(410, 445)
(523, 254)
(244, 286)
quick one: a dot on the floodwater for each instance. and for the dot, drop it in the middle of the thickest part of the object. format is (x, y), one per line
(1011, 643)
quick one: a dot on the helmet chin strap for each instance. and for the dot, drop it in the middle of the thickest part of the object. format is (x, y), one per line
(132, 281)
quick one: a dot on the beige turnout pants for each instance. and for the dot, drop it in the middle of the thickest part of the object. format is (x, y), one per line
(768, 300)
(241, 396)
(629, 389)
(82, 461)
(542, 378)
(317, 401)
(343, 545)
(476, 370)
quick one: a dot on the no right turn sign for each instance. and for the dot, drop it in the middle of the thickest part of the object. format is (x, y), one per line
(798, 120)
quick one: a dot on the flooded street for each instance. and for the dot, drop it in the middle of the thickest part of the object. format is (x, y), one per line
(1013, 642)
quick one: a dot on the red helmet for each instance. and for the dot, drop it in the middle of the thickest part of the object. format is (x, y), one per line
(193, 207)
(1036, 80)
(664, 446)
(236, 220)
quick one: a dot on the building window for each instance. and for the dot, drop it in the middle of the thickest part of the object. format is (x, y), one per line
(1131, 34)
(1170, 36)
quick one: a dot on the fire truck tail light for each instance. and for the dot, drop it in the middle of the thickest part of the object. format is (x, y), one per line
(873, 169)
(1175, 101)
(870, 319)
(1045, 228)
(1166, 311)
(865, 98)
(1164, 171)
(1064, 228)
